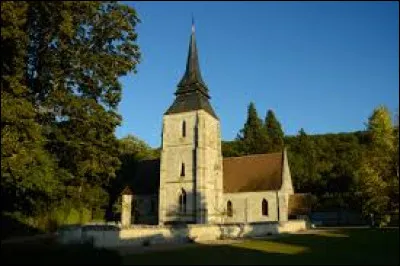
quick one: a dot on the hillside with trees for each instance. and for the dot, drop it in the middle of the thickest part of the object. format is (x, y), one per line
(355, 170)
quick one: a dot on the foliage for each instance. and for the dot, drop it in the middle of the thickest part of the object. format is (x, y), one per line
(331, 164)
(372, 189)
(319, 164)
(131, 151)
(252, 138)
(231, 149)
(59, 94)
(274, 132)
(302, 158)
(377, 175)
(27, 169)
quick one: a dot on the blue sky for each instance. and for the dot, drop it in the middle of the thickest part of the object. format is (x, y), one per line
(321, 66)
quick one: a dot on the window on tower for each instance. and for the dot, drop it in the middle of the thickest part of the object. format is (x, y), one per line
(183, 169)
(184, 129)
(229, 210)
(182, 201)
(264, 207)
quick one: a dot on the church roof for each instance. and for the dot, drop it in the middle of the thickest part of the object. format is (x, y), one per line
(191, 102)
(192, 93)
(259, 172)
(146, 178)
(192, 74)
(250, 173)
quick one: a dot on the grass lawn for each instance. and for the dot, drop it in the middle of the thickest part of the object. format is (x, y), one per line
(336, 246)
(339, 246)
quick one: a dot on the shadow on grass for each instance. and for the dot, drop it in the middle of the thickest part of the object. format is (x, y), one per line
(350, 246)
(11, 227)
(18, 247)
(340, 246)
(51, 253)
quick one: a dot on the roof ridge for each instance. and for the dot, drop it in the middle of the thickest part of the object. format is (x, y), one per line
(254, 155)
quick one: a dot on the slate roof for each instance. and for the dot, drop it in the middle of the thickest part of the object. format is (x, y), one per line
(192, 92)
(146, 178)
(259, 172)
(192, 74)
(250, 173)
(191, 102)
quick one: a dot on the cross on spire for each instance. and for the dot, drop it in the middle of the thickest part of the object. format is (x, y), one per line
(192, 23)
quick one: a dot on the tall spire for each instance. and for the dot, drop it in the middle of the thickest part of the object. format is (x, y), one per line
(192, 92)
(192, 80)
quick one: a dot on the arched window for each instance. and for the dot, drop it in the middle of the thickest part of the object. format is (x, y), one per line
(182, 201)
(264, 207)
(229, 211)
(184, 129)
(183, 169)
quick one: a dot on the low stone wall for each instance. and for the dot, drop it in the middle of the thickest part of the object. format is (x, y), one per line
(138, 235)
(293, 226)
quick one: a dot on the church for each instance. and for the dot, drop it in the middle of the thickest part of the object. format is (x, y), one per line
(192, 183)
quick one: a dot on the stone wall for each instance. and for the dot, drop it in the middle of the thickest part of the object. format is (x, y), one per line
(247, 207)
(145, 209)
(199, 153)
(155, 234)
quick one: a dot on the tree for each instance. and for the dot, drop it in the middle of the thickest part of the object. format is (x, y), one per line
(60, 92)
(136, 148)
(131, 150)
(252, 137)
(377, 175)
(27, 170)
(372, 188)
(231, 149)
(77, 52)
(274, 132)
(303, 162)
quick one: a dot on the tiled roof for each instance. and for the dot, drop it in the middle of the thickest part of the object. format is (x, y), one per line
(146, 177)
(252, 173)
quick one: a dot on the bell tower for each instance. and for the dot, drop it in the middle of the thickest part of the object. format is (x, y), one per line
(191, 157)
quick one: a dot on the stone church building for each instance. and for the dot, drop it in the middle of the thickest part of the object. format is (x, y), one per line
(192, 182)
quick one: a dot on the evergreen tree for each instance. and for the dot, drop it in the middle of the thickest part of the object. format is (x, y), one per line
(253, 139)
(274, 132)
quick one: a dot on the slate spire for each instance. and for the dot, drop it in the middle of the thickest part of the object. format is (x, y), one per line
(192, 80)
(192, 92)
